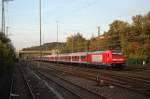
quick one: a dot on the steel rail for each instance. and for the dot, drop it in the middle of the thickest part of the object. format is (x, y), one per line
(27, 84)
(85, 89)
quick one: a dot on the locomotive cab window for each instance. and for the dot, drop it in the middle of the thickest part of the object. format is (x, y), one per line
(117, 54)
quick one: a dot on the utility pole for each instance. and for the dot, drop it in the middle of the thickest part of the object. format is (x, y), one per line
(57, 41)
(57, 34)
(7, 29)
(98, 30)
(98, 34)
(73, 43)
(3, 15)
(40, 28)
(40, 31)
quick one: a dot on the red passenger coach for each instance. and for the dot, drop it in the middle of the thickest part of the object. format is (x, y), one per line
(99, 58)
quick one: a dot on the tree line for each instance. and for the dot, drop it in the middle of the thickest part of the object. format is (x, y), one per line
(132, 38)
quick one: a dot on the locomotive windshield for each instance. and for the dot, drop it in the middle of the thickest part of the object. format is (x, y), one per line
(116, 53)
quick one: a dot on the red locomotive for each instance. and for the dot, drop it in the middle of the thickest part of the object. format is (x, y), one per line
(98, 58)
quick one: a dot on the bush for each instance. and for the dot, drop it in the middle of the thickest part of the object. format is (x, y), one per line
(133, 61)
(7, 54)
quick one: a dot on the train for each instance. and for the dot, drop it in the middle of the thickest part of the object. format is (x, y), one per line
(108, 59)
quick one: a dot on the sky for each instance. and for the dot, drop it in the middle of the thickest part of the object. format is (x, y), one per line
(72, 16)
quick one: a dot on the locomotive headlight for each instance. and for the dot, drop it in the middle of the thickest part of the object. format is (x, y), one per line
(121, 59)
(114, 59)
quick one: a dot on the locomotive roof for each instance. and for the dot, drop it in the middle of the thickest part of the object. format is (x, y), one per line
(96, 52)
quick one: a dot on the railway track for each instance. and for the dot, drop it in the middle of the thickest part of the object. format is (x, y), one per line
(129, 82)
(128, 75)
(28, 90)
(137, 68)
(11, 88)
(122, 76)
(80, 92)
(27, 84)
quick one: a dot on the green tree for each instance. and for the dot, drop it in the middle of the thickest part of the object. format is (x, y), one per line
(117, 34)
(146, 36)
(139, 37)
(76, 43)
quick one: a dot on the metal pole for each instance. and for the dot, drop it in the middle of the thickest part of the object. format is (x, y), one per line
(2, 24)
(57, 34)
(3, 15)
(57, 41)
(72, 43)
(40, 28)
(4, 19)
(98, 30)
(7, 31)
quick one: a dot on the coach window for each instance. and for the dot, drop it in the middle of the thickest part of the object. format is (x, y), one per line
(76, 57)
(82, 57)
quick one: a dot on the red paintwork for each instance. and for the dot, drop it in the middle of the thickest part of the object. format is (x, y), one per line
(102, 57)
